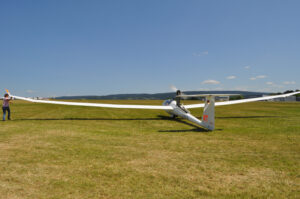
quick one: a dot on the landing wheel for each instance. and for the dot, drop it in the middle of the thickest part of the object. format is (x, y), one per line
(174, 116)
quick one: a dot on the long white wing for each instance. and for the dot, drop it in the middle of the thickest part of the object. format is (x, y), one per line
(96, 104)
(242, 101)
(204, 95)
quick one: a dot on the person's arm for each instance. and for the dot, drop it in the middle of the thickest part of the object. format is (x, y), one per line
(8, 99)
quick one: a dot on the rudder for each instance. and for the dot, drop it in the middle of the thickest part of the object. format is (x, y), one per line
(208, 119)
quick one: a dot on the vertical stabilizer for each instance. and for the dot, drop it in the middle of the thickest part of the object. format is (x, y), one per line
(208, 119)
(7, 91)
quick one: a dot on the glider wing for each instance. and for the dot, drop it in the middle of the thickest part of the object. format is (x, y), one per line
(242, 101)
(96, 104)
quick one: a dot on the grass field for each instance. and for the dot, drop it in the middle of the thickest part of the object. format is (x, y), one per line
(51, 151)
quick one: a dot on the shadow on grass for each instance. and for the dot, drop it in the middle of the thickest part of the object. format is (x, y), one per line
(195, 129)
(158, 118)
(198, 129)
(91, 119)
(248, 117)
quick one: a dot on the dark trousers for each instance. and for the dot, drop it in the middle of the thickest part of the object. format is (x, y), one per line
(4, 112)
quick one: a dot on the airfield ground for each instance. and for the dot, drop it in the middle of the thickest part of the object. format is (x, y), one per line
(51, 151)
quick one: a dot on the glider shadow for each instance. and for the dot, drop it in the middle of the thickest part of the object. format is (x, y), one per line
(160, 117)
(248, 117)
(199, 129)
(91, 119)
(195, 129)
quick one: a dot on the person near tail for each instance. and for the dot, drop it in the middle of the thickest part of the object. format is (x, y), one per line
(5, 106)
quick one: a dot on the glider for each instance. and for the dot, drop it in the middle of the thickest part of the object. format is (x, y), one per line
(173, 107)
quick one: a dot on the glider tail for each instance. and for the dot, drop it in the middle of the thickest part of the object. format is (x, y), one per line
(208, 119)
(7, 91)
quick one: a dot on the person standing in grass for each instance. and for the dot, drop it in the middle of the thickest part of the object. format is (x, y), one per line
(5, 106)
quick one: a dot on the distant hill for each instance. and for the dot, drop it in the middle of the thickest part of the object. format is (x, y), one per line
(161, 96)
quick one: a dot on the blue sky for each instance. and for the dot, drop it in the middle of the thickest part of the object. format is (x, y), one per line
(71, 47)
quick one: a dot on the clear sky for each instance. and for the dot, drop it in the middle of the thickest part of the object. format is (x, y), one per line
(79, 47)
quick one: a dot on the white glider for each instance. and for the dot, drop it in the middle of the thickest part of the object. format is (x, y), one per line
(173, 107)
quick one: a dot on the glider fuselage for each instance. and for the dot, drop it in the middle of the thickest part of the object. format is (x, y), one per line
(180, 111)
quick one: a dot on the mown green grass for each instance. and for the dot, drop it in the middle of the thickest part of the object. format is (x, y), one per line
(51, 151)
